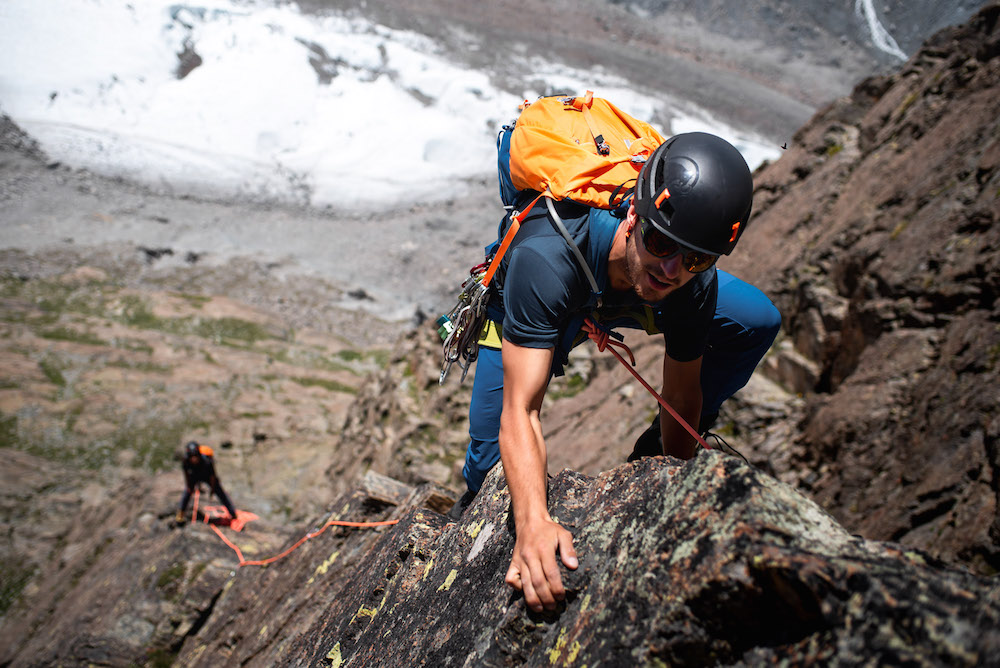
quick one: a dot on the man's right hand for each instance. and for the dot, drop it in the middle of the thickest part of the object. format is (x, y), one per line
(533, 568)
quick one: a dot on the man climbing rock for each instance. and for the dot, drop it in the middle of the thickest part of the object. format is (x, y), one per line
(199, 467)
(655, 270)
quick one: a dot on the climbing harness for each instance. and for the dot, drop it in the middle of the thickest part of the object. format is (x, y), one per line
(462, 329)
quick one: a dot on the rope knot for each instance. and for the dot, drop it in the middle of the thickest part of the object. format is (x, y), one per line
(603, 338)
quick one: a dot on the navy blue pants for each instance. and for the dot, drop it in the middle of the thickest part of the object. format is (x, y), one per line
(224, 498)
(743, 329)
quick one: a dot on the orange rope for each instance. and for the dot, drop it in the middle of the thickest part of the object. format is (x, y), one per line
(308, 536)
(603, 340)
(228, 542)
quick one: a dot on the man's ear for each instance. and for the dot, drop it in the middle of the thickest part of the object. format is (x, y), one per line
(630, 221)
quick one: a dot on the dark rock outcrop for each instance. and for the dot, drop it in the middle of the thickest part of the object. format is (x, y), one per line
(709, 562)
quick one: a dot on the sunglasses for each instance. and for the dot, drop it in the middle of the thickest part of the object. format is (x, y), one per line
(660, 245)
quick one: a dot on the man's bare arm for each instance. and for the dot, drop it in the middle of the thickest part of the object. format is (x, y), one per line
(682, 390)
(533, 567)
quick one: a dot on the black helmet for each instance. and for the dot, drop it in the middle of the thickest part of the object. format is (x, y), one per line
(191, 449)
(696, 188)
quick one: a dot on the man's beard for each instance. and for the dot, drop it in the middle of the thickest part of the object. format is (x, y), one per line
(638, 275)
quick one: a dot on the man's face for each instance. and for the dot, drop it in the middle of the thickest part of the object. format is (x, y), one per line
(652, 278)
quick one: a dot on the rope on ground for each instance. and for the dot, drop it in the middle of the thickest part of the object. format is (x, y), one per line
(298, 543)
(604, 342)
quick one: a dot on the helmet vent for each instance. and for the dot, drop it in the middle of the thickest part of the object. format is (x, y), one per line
(667, 209)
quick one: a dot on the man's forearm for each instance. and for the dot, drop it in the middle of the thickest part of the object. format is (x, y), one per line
(677, 441)
(522, 451)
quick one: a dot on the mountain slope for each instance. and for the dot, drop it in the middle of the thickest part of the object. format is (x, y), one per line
(877, 235)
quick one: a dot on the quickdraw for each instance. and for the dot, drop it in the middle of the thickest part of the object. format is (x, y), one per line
(461, 327)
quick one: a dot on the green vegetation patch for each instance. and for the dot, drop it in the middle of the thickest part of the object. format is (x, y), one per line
(52, 369)
(571, 386)
(331, 385)
(197, 301)
(144, 366)
(133, 345)
(135, 312)
(307, 358)
(153, 440)
(52, 297)
(171, 576)
(14, 577)
(8, 432)
(256, 415)
(73, 336)
(994, 355)
(223, 329)
(161, 657)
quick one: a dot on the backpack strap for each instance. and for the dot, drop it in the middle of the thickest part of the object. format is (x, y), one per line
(515, 225)
(583, 104)
(557, 221)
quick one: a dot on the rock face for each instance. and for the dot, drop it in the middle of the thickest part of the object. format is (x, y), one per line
(877, 236)
(709, 562)
(403, 424)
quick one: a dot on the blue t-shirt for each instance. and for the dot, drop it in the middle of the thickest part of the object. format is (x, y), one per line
(541, 294)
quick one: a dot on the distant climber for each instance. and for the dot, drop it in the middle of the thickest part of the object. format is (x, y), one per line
(199, 467)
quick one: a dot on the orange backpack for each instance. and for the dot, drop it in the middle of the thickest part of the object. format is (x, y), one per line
(580, 148)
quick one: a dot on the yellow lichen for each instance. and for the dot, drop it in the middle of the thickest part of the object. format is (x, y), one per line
(556, 651)
(333, 656)
(574, 650)
(446, 585)
(476, 528)
(324, 567)
(364, 612)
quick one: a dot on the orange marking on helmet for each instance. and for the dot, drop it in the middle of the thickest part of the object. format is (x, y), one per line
(659, 200)
(736, 228)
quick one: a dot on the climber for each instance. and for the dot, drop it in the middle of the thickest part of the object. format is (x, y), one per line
(656, 270)
(199, 467)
